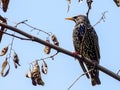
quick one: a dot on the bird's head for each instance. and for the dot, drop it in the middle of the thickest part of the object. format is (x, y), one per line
(79, 19)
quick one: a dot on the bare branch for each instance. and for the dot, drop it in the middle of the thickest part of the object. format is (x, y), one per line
(34, 28)
(21, 22)
(38, 40)
(15, 36)
(52, 56)
(118, 72)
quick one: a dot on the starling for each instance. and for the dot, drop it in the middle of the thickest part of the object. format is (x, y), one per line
(85, 41)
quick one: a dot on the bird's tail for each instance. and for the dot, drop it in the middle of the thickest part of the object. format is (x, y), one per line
(83, 68)
(95, 77)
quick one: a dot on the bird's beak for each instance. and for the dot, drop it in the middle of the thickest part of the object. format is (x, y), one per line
(69, 18)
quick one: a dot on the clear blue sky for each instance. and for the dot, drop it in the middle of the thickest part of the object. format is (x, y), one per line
(49, 15)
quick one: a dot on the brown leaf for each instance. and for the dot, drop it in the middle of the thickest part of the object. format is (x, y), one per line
(89, 3)
(36, 75)
(117, 2)
(16, 60)
(47, 49)
(5, 5)
(4, 51)
(5, 63)
(54, 39)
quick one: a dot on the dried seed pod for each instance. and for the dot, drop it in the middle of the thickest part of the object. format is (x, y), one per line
(89, 3)
(54, 39)
(36, 75)
(16, 60)
(44, 67)
(5, 5)
(4, 51)
(5, 63)
(117, 2)
(47, 49)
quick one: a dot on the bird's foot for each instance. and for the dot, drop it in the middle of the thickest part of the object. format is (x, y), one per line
(76, 53)
(95, 63)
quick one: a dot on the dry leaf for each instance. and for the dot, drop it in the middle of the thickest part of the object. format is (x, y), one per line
(44, 67)
(5, 5)
(16, 60)
(4, 51)
(89, 3)
(47, 49)
(117, 2)
(5, 63)
(36, 75)
(54, 39)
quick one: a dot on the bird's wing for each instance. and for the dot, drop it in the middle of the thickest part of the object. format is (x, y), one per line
(96, 44)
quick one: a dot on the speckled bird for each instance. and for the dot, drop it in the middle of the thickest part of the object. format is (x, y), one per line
(85, 41)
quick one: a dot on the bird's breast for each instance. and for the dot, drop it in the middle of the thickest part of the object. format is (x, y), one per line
(78, 34)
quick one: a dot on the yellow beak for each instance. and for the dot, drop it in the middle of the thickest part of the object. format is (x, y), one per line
(70, 18)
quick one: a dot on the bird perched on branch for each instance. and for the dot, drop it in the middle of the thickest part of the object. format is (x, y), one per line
(85, 42)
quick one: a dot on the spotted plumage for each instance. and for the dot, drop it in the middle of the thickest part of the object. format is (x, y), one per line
(85, 41)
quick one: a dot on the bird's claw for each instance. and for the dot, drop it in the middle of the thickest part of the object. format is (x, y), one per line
(75, 54)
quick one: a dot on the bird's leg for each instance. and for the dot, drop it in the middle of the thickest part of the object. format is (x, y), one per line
(95, 63)
(75, 54)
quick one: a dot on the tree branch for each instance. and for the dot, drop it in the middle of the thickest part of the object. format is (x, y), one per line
(38, 40)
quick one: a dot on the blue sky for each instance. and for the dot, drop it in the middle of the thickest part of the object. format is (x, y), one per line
(63, 70)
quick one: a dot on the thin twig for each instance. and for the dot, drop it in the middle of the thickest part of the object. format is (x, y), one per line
(11, 46)
(36, 28)
(78, 79)
(52, 56)
(33, 28)
(15, 36)
(101, 19)
(118, 72)
(21, 22)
